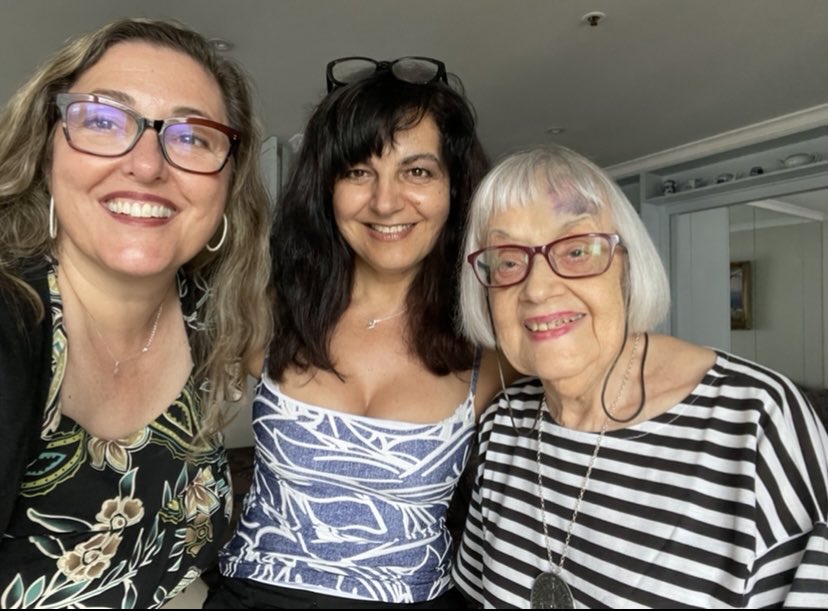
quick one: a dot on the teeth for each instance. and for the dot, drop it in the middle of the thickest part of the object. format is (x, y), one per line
(546, 326)
(390, 228)
(139, 210)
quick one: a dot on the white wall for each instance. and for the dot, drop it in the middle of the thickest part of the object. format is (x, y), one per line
(239, 433)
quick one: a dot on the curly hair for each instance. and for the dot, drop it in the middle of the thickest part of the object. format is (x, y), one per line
(237, 310)
(312, 263)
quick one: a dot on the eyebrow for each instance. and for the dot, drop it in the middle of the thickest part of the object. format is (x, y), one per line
(420, 157)
(128, 100)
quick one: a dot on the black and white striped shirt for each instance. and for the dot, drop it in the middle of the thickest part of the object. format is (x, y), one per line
(719, 502)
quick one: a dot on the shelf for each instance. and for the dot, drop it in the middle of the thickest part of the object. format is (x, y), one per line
(743, 183)
(768, 155)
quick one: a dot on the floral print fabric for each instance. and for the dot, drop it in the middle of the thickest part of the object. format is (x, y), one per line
(127, 523)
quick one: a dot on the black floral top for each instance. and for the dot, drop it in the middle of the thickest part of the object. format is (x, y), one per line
(118, 524)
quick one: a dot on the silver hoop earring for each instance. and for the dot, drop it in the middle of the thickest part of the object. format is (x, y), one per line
(223, 235)
(52, 219)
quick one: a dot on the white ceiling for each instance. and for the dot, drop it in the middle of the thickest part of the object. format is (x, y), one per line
(654, 74)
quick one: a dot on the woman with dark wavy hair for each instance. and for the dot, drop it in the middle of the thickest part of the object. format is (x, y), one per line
(365, 415)
(133, 285)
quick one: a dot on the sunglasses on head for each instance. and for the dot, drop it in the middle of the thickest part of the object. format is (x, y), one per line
(416, 70)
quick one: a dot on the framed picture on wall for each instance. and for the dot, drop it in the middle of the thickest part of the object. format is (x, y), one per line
(741, 311)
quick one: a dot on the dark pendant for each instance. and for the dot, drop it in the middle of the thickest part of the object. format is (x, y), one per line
(551, 592)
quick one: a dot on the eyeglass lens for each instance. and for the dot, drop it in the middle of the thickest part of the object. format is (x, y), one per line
(101, 129)
(409, 69)
(573, 257)
(414, 70)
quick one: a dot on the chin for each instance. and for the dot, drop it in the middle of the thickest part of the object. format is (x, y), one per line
(555, 369)
(143, 266)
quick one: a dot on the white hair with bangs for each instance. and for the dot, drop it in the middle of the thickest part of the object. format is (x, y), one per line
(525, 177)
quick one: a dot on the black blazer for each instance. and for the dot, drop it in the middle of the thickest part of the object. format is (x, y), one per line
(25, 375)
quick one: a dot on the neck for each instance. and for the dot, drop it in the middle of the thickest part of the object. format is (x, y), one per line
(585, 404)
(122, 311)
(372, 285)
(380, 295)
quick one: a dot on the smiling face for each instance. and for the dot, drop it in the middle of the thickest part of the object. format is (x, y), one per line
(391, 209)
(565, 331)
(136, 214)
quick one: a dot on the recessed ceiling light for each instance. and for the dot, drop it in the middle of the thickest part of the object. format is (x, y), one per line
(554, 131)
(593, 18)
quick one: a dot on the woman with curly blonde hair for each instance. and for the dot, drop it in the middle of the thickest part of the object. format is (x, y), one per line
(133, 287)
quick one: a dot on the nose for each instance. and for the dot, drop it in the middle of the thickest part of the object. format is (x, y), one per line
(386, 198)
(541, 282)
(146, 159)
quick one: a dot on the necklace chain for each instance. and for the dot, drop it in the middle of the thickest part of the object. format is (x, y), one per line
(117, 362)
(375, 321)
(557, 570)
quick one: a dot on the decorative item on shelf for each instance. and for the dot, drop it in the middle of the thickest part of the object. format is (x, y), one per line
(668, 186)
(756, 170)
(694, 183)
(798, 159)
(726, 177)
(741, 310)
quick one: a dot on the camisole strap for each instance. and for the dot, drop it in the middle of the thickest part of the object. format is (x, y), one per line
(478, 354)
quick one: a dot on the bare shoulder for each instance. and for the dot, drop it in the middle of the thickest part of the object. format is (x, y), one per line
(489, 381)
(254, 362)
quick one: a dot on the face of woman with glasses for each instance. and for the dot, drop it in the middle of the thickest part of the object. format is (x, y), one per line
(136, 213)
(391, 209)
(564, 330)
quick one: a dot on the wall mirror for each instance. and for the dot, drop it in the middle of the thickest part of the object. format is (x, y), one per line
(778, 248)
(782, 244)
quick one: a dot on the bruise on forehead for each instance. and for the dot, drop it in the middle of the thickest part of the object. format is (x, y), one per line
(570, 203)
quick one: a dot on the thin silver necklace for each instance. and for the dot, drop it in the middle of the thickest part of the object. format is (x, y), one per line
(116, 361)
(375, 321)
(549, 590)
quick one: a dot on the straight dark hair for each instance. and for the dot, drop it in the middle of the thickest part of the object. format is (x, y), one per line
(313, 265)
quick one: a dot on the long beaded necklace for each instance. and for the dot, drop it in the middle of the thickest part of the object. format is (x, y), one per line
(549, 590)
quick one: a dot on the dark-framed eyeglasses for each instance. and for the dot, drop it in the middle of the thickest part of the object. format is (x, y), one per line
(99, 126)
(413, 69)
(574, 256)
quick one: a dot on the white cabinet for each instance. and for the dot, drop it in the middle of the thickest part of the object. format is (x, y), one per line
(671, 220)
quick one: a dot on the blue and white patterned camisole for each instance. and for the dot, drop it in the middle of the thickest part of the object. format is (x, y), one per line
(349, 505)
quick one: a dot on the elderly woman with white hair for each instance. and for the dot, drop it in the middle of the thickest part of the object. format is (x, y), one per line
(632, 468)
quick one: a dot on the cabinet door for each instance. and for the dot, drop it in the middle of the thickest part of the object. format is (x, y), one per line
(700, 277)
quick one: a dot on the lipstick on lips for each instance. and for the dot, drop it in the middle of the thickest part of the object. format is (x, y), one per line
(144, 206)
(552, 325)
